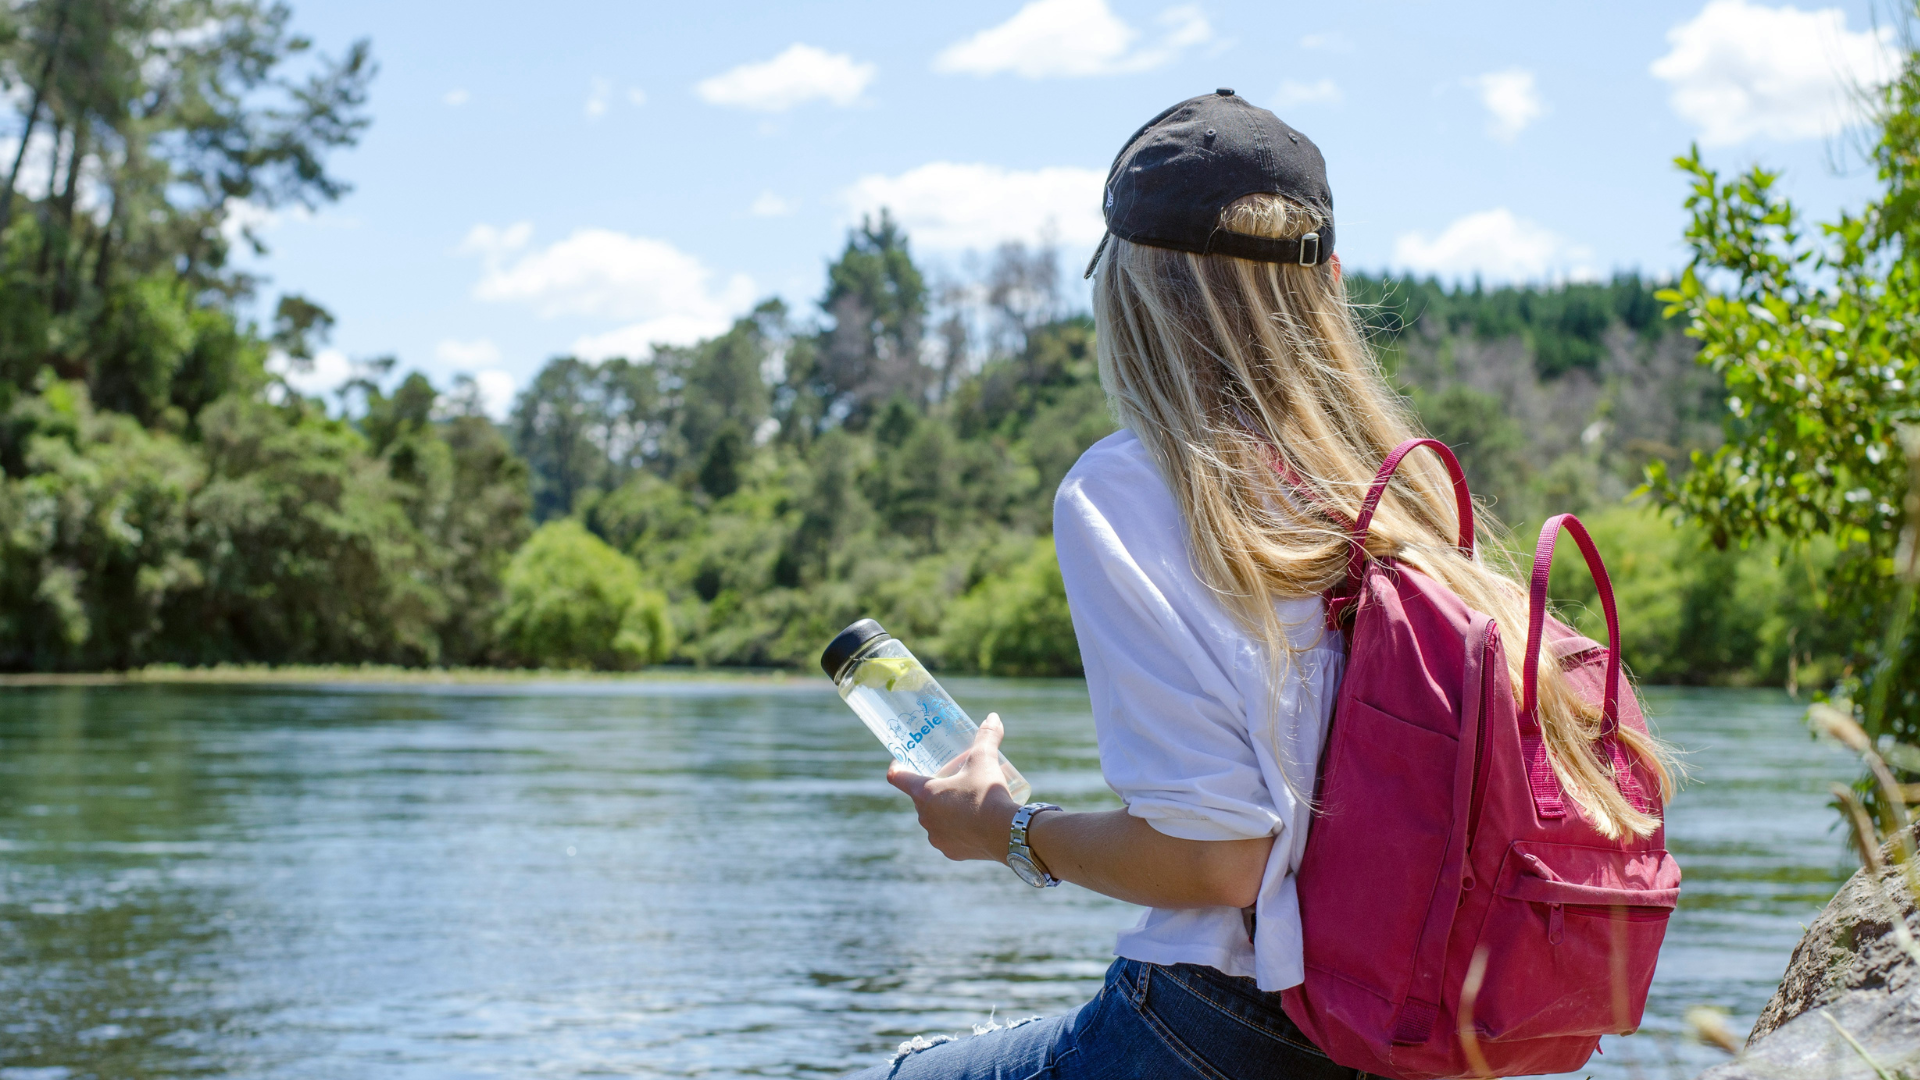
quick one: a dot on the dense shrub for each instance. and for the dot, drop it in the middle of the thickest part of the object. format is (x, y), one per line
(1016, 623)
(574, 602)
(1692, 613)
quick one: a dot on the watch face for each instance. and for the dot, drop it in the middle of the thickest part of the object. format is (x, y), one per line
(1028, 872)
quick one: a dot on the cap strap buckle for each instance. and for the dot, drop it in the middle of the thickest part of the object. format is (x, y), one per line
(1310, 249)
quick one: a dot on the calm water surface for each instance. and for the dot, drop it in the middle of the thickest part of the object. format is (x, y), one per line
(647, 880)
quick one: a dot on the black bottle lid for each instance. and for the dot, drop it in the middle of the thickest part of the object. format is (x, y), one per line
(846, 643)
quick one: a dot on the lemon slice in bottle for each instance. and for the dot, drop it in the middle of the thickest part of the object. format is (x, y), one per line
(894, 674)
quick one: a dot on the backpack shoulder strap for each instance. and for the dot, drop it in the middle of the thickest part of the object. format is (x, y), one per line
(1462, 502)
(1356, 559)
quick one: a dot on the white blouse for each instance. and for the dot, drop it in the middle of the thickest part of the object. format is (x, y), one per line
(1193, 734)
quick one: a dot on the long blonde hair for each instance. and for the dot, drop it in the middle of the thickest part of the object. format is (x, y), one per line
(1220, 365)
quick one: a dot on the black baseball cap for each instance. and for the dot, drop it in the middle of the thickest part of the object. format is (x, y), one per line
(1174, 176)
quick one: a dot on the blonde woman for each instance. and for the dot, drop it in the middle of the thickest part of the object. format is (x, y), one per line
(1196, 544)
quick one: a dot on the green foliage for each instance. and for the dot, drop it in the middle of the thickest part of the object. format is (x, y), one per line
(1555, 398)
(97, 536)
(771, 515)
(1566, 326)
(1495, 451)
(572, 601)
(1693, 613)
(178, 114)
(277, 535)
(877, 301)
(1017, 623)
(1814, 332)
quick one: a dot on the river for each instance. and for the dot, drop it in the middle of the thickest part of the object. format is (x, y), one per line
(650, 879)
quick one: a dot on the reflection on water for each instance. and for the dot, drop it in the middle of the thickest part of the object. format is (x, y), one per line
(647, 880)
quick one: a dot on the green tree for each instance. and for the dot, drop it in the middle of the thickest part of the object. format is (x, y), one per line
(95, 535)
(572, 601)
(555, 421)
(1816, 332)
(725, 386)
(877, 300)
(179, 115)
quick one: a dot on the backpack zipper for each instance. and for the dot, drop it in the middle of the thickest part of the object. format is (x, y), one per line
(1478, 793)
(1632, 913)
(1621, 912)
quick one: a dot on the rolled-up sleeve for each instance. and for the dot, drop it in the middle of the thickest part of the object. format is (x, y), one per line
(1171, 721)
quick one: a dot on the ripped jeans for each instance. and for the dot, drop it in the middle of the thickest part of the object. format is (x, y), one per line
(1149, 1021)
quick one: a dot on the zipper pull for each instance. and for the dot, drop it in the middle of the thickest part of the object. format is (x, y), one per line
(1556, 923)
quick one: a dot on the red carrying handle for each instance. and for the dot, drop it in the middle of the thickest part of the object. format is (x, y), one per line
(1462, 498)
(1537, 621)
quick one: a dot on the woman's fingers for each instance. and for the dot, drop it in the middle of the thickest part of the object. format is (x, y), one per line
(992, 730)
(966, 808)
(907, 780)
(986, 743)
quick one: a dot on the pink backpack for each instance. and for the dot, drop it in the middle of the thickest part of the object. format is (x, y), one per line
(1461, 918)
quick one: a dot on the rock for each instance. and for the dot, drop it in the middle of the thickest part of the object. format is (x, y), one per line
(1819, 1044)
(1850, 947)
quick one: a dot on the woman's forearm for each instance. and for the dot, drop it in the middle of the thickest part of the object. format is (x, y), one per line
(1115, 853)
(966, 812)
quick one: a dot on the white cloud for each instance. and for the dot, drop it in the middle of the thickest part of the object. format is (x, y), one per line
(636, 97)
(467, 354)
(316, 378)
(1512, 101)
(456, 97)
(1495, 245)
(494, 243)
(1327, 42)
(241, 219)
(598, 98)
(1739, 70)
(662, 293)
(1297, 93)
(638, 339)
(474, 360)
(496, 392)
(1070, 38)
(799, 75)
(771, 205)
(949, 206)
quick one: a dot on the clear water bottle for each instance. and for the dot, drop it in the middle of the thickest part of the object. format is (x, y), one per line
(897, 699)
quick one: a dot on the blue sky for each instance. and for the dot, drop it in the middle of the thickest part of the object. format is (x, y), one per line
(595, 176)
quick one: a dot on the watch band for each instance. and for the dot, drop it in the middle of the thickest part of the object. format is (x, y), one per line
(1020, 857)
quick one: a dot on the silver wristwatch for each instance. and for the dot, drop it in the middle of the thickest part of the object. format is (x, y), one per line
(1021, 857)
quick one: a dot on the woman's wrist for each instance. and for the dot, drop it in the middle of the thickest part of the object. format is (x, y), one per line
(997, 827)
(1037, 847)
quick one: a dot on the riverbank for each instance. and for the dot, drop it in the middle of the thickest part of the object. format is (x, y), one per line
(383, 674)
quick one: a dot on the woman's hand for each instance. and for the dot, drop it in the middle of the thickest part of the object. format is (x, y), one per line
(967, 810)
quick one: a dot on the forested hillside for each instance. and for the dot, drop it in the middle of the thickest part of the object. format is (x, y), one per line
(897, 455)
(890, 449)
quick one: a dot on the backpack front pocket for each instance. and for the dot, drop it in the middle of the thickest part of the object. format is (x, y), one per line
(1571, 937)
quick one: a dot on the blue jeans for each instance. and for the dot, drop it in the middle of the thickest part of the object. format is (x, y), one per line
(1149, 1021)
